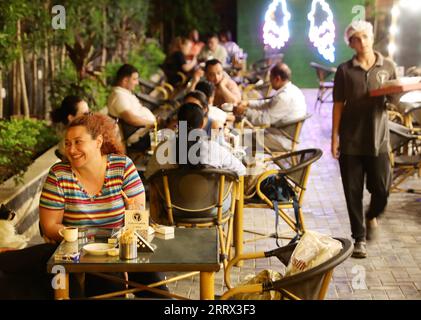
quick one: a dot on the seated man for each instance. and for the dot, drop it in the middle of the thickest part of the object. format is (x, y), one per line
(235, 53)
(214, 50)
(209, 124)
(170, 154)
(124, 105)
(215, 113)
(226, 90)
(287, 104)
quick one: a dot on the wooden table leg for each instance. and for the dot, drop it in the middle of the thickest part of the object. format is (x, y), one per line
(238, 221)
(207, 285)
(62, 291)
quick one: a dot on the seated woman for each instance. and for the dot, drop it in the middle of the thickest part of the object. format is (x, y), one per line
(87, 191)
(71, 107)
(177, 61)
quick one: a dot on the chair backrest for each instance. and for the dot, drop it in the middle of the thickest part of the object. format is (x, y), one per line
(296, 165)
(292, 129)
(195, 192)
(399, 136)
(415, 115)
(310, 284)
(323, 72)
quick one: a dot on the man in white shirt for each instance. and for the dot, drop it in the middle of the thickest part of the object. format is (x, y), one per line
(124, 105)
(171, 154)
(214, 50)
(286, 105)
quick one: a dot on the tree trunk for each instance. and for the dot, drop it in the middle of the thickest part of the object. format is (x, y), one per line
(22, 73)
(62, 56)
(34, 92)
(18, 97)
(1, 94)
(104, 37)
(14, 88)
(45, 96)
(52, 60)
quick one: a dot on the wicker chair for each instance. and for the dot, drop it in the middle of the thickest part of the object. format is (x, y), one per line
(308, 285)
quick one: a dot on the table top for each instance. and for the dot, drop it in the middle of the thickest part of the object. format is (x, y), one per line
(191, 249)
(395, 89)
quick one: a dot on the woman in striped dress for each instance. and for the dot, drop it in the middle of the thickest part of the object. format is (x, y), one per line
(88, 189)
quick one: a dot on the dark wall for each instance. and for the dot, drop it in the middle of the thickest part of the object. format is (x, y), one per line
(408, 40)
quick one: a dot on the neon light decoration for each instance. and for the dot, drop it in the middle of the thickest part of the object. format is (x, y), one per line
(322, 36)
(274, 35)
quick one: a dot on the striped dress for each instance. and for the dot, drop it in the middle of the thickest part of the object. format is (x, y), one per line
(63, 191)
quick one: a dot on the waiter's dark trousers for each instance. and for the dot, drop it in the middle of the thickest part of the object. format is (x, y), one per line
(378, 176)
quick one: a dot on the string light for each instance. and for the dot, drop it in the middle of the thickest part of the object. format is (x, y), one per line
(322, 36)
(274, 35)
(392, 48)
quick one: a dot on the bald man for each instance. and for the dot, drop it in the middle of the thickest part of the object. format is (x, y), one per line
(286, 105)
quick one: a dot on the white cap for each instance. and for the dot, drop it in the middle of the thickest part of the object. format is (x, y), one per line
(357, 26)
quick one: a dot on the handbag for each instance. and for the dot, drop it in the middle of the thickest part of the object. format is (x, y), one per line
(277, 189)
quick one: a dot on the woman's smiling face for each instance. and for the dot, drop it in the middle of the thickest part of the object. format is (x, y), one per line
(80, 147)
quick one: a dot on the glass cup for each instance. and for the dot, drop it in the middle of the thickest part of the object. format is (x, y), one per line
(400, 71)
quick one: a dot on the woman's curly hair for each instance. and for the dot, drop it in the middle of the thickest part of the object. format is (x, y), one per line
(99, 124)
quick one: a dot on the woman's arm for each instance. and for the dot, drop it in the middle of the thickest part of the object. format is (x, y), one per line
(135, 203)
(51, 222)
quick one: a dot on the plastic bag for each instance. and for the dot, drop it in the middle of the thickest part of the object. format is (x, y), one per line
(9, 238)
(265, 275)
(312, 250)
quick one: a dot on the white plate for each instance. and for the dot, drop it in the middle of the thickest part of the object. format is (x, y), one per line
(402, 81)
(98, 249)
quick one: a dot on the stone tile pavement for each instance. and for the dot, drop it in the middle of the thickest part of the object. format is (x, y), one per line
(393, 267)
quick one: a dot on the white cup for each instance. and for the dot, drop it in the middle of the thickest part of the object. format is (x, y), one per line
(227, 107)
(69, 234)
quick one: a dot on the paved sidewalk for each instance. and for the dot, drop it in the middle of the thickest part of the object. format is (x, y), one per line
(393, 267)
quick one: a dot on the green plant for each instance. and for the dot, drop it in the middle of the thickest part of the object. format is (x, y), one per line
(147, 59)
(21, 140)
(90, 89)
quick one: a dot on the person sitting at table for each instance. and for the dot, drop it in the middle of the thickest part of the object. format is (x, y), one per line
(226, 90)
(199, 98)
(197, 45)
(89, 190)
(287, 104)
(214, 50)
(71, 107)
(190, 118)
(208, 153)
(235, 53)
(124, 105)
(208, 88)
(176, 62)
